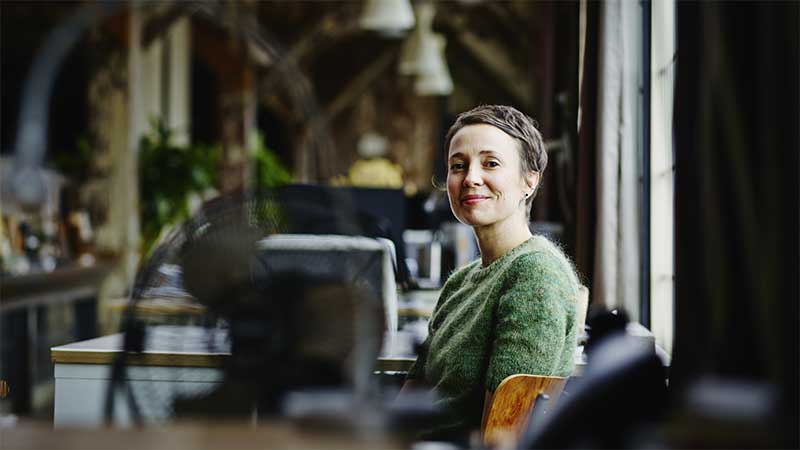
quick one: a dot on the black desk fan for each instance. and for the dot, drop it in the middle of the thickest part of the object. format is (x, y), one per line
(303, 329)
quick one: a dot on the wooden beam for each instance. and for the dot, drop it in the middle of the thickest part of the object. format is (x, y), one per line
(318, 161)
(329, 28)
(500, 64)
(361, 83)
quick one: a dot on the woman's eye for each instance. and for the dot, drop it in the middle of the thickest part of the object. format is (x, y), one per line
(492, 164)
(456, 166)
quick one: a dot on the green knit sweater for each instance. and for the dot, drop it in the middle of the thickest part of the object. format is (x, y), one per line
(517, 315)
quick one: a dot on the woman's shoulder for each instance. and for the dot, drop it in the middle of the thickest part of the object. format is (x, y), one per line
(542, 256)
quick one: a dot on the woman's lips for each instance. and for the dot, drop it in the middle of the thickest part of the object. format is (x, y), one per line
(473, 199)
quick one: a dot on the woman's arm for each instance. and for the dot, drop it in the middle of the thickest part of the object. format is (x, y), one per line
(416, 373)
(532, 323)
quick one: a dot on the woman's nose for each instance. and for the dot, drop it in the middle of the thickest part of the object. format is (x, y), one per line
(473, 176)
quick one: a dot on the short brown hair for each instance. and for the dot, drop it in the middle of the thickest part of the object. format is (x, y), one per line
(515, 124)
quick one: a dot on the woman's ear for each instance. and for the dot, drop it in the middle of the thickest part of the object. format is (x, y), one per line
(532, 181)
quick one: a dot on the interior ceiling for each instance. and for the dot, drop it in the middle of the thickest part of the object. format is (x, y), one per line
(501, 28)
(489, 45)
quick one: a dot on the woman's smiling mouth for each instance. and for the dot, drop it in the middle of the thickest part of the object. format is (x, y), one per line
(473, 199)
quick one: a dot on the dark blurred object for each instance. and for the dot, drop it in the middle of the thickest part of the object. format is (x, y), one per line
(304, 329)
(736, 210)
(728, 413)
(428, 210)
(436, 208)
(553, 231)
(291, 337)
(190, 435)
(621, 393)
(288, 329)
(416, 216)
(349, 211)
(601, 323)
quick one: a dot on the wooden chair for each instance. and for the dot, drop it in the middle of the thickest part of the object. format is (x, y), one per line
(506, 412)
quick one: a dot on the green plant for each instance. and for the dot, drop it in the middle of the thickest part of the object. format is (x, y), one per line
(269, 171)
(169, 176)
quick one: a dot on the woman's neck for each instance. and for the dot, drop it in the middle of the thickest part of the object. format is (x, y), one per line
(500, 238)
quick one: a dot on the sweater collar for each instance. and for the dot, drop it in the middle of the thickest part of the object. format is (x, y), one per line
(480, 272)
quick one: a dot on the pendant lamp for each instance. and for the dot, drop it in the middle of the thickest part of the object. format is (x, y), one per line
(388, 17)
(433, 77)
(423, 55)
(409, 54)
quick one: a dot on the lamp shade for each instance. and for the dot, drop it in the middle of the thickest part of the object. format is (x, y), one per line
(410, 53)
(407, 63)
(388, 17)
(433, 76)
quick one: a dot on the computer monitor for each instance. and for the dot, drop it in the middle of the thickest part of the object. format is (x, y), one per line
(349, 211)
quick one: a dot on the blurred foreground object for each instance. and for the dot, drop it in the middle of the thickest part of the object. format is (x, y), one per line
(729, 413)
(621, 393)
(193, 435)
(303, 330)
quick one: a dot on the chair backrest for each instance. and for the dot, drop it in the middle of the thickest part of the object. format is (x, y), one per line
(506, 412)
(582, 308)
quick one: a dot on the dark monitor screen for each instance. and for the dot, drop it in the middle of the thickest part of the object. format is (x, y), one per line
(350, 211)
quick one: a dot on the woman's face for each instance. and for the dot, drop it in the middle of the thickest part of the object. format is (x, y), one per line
(485, 182)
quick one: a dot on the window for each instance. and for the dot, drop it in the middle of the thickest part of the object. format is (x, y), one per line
(661, 179)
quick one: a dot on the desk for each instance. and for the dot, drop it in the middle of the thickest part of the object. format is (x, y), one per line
(170, 369)
(181, 360)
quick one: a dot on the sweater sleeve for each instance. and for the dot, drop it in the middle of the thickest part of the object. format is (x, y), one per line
(531, 322)
(417, 370)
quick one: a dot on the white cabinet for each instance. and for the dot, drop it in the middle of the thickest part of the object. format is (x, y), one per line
(180, 362)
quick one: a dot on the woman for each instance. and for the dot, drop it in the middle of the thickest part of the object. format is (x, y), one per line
(513, 310)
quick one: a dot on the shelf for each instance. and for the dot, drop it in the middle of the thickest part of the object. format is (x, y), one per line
(45, 288)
